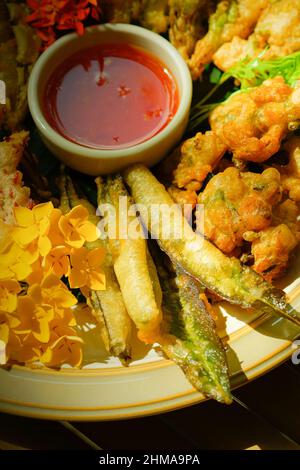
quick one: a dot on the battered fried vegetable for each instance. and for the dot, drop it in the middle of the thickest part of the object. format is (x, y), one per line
(252, 123)
(290, 174)
(231, 18)
(223, 275)
(107, 305)
(154, 15)
(121, 11)
(132, 265)
(12, 191)
(277, 34)
(235, 203)
(186, 24)
(189, 337)
(199, 155)
(271, 249)
(19, 48)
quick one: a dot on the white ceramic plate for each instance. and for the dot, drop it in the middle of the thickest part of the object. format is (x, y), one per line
(105, 390)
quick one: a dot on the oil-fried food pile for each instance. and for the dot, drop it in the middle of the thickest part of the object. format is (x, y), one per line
(223, 31)
(249, 214)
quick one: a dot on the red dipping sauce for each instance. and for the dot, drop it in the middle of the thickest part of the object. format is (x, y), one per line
(110, 96)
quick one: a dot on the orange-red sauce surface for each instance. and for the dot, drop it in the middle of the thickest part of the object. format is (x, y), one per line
(110, 96)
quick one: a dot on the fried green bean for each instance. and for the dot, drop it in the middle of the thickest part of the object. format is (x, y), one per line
(132, 268)
(225, 276)
(189, 337)
(107, 306)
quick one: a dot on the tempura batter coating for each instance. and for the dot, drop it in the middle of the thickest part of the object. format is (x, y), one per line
(199, 156)
(235, 203)
(290, 174)
(252, 124)
(231, 18)
(277, 33)
(154, 15)
(271, 251)
(12, 191)
(186, 24)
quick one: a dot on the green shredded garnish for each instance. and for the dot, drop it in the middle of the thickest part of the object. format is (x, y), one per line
(253, 73)
(250, 74)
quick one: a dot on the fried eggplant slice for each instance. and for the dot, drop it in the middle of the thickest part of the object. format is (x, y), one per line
(189, 337)
(225, 276)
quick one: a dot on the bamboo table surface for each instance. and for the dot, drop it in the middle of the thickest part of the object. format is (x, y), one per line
(265, 415)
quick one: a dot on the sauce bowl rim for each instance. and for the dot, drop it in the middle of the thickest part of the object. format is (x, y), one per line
(35, 106)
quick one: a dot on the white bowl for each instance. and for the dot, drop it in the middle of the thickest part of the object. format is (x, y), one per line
(99, 161)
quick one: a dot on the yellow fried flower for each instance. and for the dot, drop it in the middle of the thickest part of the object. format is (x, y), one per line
(9, 290)
(65, 347)
(33, 227)
(86, 270)
(34, 318)
(52, 292)
(57, 261)
(76, 228)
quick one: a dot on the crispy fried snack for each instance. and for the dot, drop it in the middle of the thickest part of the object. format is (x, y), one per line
(271, 251)
(231, 18)
(12, 191)
(199, 155)
(19, 48)
(290, 174)
(121, 11)
(277, 33)
(235, 203)
(186, 24)
(154, 15)
(225, 276)
(252, 123)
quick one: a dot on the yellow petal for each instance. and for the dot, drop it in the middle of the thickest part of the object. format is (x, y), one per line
(77, 278)
(21, 270)
(35, 292)
(50, 281)
(77, 215)
(89, 231)
(78, 257)
(96, 281)
(43, 334)
(96, 257)
(44, 226)
(24, 235)
(42, 210)
(44, 245)
(23, 216)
